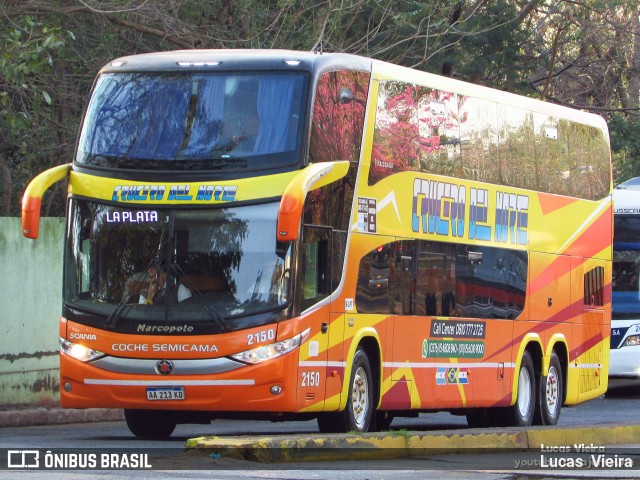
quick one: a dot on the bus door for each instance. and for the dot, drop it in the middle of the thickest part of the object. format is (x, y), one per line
(445, 380)
(406, 339)
(315, 285)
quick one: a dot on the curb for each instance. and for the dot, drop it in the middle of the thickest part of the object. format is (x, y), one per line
(402, 444)
(32, 416)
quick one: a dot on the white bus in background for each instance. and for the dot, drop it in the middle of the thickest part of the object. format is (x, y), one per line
(625, 316)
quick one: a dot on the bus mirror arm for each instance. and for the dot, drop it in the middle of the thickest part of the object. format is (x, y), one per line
(312, 177)
(32, 198)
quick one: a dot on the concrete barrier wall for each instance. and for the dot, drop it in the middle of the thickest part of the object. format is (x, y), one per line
(31, 302)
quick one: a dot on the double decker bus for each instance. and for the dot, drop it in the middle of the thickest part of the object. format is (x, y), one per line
(625, 308)
(281, 234)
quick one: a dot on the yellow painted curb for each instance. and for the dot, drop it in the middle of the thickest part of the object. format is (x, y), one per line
(599, 436)
(452, 443)
(305, 448)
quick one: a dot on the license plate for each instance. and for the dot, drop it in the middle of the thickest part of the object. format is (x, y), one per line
(163, 393)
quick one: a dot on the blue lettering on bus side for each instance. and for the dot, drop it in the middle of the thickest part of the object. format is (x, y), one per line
(229, 194)
(479, 215)
(205, 192)
(156, 192)
(137, 193)
(218, 193)
(439, 207)
(512, 218)
(177, 193)
(523, 224)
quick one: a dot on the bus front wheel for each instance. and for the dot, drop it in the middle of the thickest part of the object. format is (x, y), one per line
(154, 424)
(522, 412)
(360, 408)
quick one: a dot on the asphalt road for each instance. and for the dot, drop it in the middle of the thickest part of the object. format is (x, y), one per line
(620, 405)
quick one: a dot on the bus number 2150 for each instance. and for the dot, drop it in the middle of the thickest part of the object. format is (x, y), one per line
(310, 379)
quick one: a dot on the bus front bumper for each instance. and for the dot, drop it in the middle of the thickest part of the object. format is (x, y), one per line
(625, 362)
(256, 388)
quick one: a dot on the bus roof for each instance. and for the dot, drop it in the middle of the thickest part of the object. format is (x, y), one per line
(388, 71)
(240, 59)
(267, 59)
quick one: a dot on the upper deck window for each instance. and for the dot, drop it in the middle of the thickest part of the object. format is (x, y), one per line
(427, 130)
(194, 121)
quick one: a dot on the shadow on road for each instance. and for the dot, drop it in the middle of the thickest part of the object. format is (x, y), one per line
(623, 389)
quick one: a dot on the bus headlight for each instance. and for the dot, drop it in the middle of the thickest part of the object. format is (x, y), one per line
(274, 350)
(79, 352)
(632, 341)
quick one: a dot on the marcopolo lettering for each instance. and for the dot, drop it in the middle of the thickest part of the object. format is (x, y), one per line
(145, 328)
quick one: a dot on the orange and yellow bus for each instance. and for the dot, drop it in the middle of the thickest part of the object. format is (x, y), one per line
(280, 234)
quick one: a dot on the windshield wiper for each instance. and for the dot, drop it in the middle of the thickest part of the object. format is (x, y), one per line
(179, 274)
(114, 317)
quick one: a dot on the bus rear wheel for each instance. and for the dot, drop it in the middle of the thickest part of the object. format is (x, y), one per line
(154, 424)
(360, 408)
(550, 394)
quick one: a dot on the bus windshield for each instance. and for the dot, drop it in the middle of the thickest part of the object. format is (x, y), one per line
(159, 264)
(626, 267)
(194, 121)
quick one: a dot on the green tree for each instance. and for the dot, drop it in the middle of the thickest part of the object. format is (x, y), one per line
(583, 53)
(27, 51)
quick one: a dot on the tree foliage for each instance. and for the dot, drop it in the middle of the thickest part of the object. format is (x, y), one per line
(583, 53)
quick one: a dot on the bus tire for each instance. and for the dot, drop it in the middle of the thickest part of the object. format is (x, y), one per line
(522, 412)
(360, 408)
(550, 394)
(154, 424)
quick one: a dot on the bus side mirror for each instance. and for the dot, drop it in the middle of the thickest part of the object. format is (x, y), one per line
(346, 96)
(312, 177)
(32, 198)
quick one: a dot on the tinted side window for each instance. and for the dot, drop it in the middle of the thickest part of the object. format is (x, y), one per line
(433, 131)
(372, 292)
(315, 265)
(435, 279)
(336, 134)
(491, 282)
(594, 287)
(442, 279)
(416, 129)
